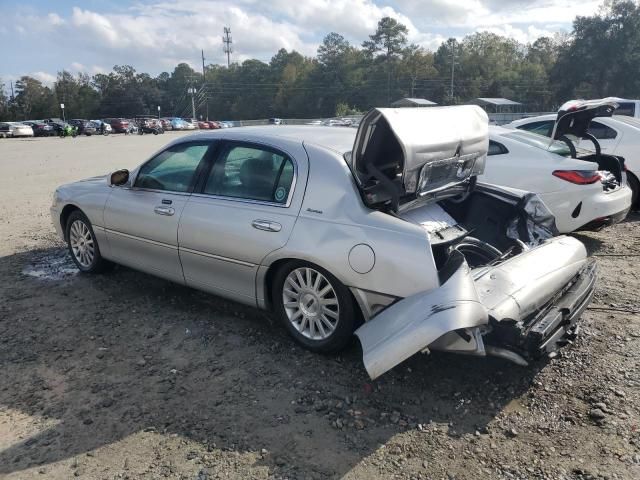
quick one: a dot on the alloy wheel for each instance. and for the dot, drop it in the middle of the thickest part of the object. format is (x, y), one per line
(82, 243)
(310, 303)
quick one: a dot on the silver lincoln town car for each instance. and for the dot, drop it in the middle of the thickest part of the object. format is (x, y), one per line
(383, 232)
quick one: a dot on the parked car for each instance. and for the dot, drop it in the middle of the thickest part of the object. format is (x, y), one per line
(119, 125)
(275, 121)
(15, 130)
(191, 123)
(214, 125)
(627, 107)
(616, 135)
(40, 128)
(148, 125)
(203, 125)
(328, 227)
(178, 124)
(334, 122)
(57, 127)
(102, 127)
(84, 127)
(166, 124)
(580, 194)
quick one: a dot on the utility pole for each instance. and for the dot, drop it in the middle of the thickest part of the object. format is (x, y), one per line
(226, 44)
(204, 81)
(453, 67)
(204, 75)
(192, 91)
(12, 96)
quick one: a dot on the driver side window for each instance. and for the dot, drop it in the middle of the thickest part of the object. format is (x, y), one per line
(172, 170)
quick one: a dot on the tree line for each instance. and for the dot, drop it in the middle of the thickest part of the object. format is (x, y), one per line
(600, 57)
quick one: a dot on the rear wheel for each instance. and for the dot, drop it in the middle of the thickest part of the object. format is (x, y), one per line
(634, 184)
(316, 308)
(83, 246)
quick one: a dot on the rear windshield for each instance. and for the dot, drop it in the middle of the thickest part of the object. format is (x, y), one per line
(539, 141)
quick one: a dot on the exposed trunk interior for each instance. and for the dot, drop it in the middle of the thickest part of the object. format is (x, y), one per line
(485, 226)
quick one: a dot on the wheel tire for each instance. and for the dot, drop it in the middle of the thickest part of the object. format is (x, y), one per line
(345, 322)
(634, 184)
(80, 238)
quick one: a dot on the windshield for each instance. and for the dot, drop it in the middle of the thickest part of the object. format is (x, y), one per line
(540, 141)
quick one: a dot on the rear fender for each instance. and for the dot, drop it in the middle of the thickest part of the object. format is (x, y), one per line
(413, 323)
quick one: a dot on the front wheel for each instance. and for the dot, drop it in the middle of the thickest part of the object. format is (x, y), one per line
(83, 246)
(316, 308)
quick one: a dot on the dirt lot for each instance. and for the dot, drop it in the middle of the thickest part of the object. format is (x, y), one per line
(128, 376)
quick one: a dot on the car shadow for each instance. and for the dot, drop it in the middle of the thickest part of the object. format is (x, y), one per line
(593, 244)
(103, 357)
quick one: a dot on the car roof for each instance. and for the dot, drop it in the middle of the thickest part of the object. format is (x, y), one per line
(333, 138)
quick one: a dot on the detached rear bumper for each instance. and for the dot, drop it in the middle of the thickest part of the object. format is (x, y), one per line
(523, 307)
(551, 326)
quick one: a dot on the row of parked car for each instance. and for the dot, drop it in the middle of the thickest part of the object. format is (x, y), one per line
(146, 124)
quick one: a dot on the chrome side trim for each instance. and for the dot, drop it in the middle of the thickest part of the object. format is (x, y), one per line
(244, 200)
(141, 239)
(218, 257)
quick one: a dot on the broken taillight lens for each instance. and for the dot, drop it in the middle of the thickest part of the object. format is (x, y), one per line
(579, 177)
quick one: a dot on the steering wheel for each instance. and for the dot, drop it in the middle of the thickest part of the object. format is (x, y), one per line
(150, 182)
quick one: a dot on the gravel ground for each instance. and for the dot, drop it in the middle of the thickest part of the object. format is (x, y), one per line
(126, 376)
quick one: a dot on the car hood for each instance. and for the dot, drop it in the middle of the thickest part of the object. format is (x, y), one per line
(574, 117)
(420, 150)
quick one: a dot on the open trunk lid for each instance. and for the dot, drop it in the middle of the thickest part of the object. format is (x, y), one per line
(574, 117)
(573, 122)
(404, 154)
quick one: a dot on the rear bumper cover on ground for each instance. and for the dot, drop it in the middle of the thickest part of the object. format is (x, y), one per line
(527, 304)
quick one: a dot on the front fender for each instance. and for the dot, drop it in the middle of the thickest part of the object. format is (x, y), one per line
(413, 323)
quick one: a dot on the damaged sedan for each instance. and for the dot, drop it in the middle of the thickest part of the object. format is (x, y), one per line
(394, 240)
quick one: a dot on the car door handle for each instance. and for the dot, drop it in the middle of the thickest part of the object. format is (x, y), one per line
(168, 211)
(266, 225)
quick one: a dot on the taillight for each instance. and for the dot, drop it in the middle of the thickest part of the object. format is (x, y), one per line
(579, 177)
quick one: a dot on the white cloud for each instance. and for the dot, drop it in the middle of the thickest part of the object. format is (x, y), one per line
(44, 77)
(154, 35)
(54, 19)
(528, 35)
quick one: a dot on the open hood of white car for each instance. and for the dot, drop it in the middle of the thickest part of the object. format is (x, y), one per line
(574, 117)
(400, 152)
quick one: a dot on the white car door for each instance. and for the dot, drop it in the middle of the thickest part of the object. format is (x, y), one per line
(141, 221)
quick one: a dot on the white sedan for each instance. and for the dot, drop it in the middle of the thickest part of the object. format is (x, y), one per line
(577, 192)
(15, 129)
(617, 135)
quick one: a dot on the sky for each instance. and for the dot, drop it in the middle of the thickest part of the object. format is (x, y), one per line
(42, 37)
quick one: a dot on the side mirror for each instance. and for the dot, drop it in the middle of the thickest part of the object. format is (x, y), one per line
(119, 177)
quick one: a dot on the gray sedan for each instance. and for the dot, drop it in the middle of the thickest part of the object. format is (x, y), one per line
(383, 232)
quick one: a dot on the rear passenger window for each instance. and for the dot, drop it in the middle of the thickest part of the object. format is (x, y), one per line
(541, 128)
(251, 173)
(628, 109)
(496, 148)
(601, 131)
